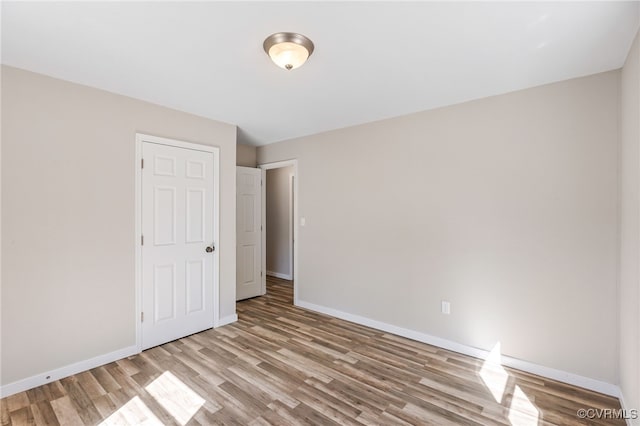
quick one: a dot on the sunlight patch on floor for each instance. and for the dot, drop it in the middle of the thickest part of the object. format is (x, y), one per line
(175, 397)
(522, 412)
(134, 412)
(493, 374)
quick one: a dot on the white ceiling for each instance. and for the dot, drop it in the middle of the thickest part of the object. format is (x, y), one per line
(373, 60)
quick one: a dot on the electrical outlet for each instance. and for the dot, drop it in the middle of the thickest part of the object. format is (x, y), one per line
(446, 307)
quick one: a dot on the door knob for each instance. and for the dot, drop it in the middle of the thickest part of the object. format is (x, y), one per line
(210, 249)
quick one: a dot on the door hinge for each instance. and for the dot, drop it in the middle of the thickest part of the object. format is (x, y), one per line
(141, 316)
(141, 240)
(260, 182)
(142, 163)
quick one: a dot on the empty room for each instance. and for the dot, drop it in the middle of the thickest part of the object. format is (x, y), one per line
(326, 213)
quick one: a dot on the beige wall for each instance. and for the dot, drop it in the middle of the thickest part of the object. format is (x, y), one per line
(505, 206)
(279, 226)
(246, 155)
(630, 229)
(68, 217)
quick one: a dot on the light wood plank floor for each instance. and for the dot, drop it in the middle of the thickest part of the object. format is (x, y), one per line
(280, 365)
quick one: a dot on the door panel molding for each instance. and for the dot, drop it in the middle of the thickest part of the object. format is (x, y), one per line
(193, 172)
(249, 271)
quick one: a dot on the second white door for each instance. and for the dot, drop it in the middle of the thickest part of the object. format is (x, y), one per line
(248, 233)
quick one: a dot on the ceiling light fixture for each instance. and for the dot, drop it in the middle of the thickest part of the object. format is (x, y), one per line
(288, 50)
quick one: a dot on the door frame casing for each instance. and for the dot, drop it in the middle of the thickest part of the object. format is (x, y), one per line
(140, 139)
(292, 219)
(277, 165)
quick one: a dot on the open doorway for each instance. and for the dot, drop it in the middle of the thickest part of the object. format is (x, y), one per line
(279, 231)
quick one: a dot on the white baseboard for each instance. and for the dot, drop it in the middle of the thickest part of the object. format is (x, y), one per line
(627, 409)
(279, 275)
(551, 373)
(562, 376)
(79, 367)
(66, 371)
(227, 320)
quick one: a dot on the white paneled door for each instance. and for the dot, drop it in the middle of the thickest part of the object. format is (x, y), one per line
(177, 247)
(248, 233)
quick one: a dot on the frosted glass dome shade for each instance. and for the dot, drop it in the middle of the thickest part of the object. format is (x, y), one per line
(288, 50)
